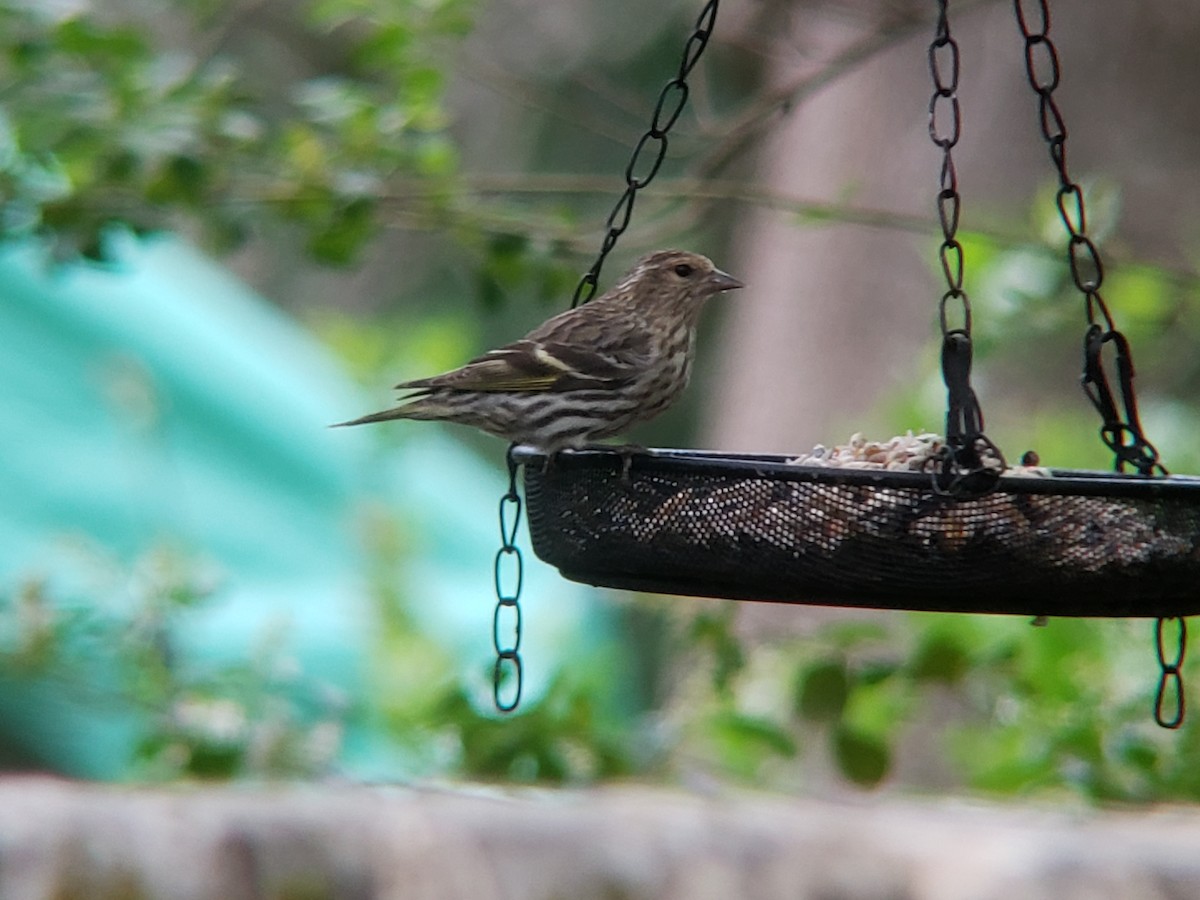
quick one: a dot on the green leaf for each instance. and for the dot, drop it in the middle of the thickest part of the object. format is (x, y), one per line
(822, 691)
(848, 635)
(1139, 297)
(862, 758)
(214, 760)
(435, 155)
(424, 82)
(84, 38)
(1141, 755)
(940, 657)
(715, 629)
(491, 295)
(341, 239)
(877, 672)
(183, 179)
(224, 233)
(1084, 741)
(745, 742)
(1000, 759)
(555, 284)
(506, 261)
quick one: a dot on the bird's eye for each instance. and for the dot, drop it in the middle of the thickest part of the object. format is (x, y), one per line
(683, 270)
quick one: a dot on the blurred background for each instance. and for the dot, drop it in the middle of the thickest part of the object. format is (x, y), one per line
(230, 223)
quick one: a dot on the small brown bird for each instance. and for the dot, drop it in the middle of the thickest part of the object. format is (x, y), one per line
(586, 374)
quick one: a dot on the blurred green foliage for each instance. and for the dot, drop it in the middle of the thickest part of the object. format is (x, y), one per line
(117, 117)
(111, 644)
(987, 703)
(135, 113)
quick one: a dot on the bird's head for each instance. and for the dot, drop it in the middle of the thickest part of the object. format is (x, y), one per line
(675, 280)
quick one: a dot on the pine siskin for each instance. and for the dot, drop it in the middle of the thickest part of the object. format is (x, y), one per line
(586, 374)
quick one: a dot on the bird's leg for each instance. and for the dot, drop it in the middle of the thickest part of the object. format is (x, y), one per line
(552, 459)
(627, 453)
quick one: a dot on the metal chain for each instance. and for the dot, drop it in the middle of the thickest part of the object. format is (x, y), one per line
(962, 470)
(1122, 434)
(508, 668)
(650, 150)
(644, 163)
(1170, 680)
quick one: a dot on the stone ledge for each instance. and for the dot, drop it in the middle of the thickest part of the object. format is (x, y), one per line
(61, 841)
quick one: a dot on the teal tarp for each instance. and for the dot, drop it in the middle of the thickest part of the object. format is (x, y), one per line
(158, 401)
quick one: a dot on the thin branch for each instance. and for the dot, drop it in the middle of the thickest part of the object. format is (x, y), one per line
(544, 101)
(747, 128)
(684, 200)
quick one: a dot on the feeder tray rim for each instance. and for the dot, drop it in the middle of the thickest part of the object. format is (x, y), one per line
(715, 463)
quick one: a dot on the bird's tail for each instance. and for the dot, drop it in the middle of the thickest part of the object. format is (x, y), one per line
(418, 409)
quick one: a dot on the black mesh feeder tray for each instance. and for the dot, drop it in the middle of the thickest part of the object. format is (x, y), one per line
(1065, 543)
(964, 534)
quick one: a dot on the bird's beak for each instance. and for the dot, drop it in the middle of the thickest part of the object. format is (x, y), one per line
(720, 281)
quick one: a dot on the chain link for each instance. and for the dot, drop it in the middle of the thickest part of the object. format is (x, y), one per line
(1170, 679)
(961, 469)
(650, 150)
(644, 164)
(1122, 434)
(506, 620)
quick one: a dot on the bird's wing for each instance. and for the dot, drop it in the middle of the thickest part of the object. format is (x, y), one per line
(547, 365)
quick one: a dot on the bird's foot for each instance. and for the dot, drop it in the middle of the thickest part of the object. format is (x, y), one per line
(627, 452)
